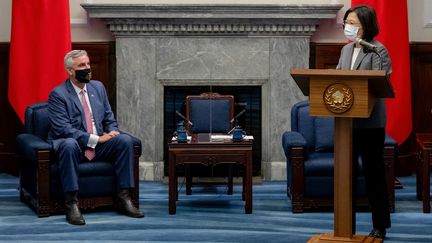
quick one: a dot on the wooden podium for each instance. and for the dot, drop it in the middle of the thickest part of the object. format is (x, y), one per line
(343, 94)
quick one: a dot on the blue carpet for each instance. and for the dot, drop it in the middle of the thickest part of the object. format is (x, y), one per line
(207, 216)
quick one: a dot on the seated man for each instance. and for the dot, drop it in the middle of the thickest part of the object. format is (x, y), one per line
(83, 128)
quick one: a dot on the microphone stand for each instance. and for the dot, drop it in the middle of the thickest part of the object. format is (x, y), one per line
(183, 117)
(234, 119)
(367, 49)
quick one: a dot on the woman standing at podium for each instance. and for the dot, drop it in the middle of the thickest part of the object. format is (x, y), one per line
(366, 53)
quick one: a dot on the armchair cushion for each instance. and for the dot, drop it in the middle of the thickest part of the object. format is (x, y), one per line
(37, 120)
(319, 164)
(324, 130)
(94, 168)
(304, 124)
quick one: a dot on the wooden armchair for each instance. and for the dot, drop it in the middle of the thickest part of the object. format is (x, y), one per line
(209, 113)
(308, 148)
(40, 185)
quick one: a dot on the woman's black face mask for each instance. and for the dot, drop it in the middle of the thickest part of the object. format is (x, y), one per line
(83, 75)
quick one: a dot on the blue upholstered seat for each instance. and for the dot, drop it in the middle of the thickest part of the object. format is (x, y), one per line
(40, 184)
(308, 149)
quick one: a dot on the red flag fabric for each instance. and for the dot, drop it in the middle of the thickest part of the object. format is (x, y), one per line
(40, 38)
(393, 25)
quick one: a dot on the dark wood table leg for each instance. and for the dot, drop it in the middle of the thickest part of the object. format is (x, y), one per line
(188, 176)
(230, 179)
(176, 186)
(172, 177)
(248, 202)
(244, 185)
(419, 175)
(426, 181)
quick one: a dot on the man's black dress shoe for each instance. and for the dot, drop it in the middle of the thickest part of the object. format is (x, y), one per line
(73, 214)
(378, 233)
(125, 206)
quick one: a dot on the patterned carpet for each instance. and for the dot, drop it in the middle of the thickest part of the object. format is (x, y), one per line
(207, 216)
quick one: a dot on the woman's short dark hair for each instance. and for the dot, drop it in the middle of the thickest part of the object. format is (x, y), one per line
(368, 20)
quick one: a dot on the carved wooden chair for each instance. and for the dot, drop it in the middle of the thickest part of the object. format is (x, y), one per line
(209, 113)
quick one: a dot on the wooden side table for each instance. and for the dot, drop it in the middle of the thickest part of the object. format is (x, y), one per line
(210, 153)
(424, 148)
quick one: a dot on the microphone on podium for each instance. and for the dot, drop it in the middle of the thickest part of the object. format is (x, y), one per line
(366, 44)
(371, 47)
(183, 117)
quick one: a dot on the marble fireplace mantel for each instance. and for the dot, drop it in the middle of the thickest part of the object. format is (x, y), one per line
(208, 44)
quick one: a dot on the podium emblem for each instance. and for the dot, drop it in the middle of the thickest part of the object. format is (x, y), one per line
(338, 98)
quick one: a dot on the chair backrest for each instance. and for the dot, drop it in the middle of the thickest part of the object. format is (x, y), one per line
(318, 131)
(209, 113)
(37, 120)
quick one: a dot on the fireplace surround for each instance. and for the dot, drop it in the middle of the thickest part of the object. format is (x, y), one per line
(208, 45)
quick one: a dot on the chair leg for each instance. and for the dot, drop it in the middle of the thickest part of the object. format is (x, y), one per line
(21, 187)
(176, 188)
(419, 182)
(43, 184)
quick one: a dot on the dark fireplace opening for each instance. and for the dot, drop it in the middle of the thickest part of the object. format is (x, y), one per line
(245, 97)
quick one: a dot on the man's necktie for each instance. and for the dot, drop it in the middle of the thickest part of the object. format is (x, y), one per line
(89, 153)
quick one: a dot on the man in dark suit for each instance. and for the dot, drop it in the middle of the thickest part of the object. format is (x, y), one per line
(83, 128)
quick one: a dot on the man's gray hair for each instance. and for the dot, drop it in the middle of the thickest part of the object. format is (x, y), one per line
(68, 59)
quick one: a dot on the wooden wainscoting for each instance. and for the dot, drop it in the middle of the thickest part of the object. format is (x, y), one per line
(103, 65)
(421, 101)
(10, 124)
(323, 55)
(102, 57)
(421, 86)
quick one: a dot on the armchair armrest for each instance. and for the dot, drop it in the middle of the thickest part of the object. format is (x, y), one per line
(292, 139)
(28, 146)
(293, 144)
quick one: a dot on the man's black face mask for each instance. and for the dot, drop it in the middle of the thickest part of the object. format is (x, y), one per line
(83, 75)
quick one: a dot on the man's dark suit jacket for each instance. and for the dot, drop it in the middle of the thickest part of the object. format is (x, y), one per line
(67, 115)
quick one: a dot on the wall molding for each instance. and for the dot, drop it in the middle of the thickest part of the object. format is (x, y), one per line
(209, 20)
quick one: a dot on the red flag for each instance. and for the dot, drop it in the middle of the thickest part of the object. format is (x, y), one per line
(393, 25)
(39, 40)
